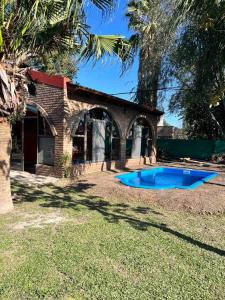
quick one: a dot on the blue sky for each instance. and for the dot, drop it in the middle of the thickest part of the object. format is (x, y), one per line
(105, 75)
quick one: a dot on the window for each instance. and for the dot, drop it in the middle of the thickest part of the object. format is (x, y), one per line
(115, 146)
(78, 143)
(46, 142)
(96, 138)
(139, 139)
(43, 126)
(129, 143)
(46, 150)
(17, 137)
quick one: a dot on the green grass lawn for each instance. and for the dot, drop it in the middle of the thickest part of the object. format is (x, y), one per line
(102, 249)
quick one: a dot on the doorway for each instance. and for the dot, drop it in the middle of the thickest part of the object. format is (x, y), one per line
(30, 144)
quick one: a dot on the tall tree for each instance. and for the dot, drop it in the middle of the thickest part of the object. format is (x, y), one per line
(34, 29)
(154, 31)
(64, 64)
(199, 67)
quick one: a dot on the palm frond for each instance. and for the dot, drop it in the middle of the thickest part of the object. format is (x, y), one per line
(96, 46)
(40, 28)
(104, 5)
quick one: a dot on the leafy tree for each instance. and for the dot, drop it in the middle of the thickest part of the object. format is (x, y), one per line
(36, 29)
(154, 31)
(199, 67)
(64, 64)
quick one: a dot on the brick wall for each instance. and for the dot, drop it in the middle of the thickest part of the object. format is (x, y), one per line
(46, 170)
(122, 114)
(53, 101)
(60, 110)
(124, 117)
(91, 167)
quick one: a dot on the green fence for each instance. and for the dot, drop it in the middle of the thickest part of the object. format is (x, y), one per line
(197, 149)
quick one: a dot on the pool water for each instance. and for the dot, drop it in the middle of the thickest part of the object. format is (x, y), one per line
(166, 178)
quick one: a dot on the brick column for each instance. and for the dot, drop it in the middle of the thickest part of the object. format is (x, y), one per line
(123, 152)
(152, 157)
(63, 145)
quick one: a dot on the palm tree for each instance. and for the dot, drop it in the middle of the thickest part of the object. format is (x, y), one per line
(151, 22)
(33, 29)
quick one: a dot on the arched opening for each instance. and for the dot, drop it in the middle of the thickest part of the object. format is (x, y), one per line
(96, 138)
(32, 141)
(139, 139)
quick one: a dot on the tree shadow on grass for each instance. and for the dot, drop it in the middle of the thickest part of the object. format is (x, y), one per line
(76, 198)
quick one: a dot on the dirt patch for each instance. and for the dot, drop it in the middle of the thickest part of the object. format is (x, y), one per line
(206, 199)
(32, 220)
(31, 179)
(39, 221)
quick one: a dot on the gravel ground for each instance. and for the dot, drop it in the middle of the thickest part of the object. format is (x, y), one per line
(206, 199)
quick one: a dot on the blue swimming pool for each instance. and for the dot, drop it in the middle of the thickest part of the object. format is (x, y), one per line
(166, 178)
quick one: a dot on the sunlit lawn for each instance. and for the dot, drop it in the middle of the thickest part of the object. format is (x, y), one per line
(64, 244)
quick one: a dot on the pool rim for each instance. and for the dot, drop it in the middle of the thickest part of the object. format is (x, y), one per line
(212, 174)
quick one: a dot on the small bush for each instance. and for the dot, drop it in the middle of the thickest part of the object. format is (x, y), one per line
(65, 163)
(218, 158)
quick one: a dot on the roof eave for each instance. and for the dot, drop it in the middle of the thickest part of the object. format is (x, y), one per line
(76, 88)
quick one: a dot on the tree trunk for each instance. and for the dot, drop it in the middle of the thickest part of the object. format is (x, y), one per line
(148, 77)
(6, 203)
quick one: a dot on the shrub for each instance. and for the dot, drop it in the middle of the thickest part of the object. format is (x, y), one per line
(65, 163)
(218, 158)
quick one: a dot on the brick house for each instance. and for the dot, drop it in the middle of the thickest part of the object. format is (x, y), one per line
(98, 131)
